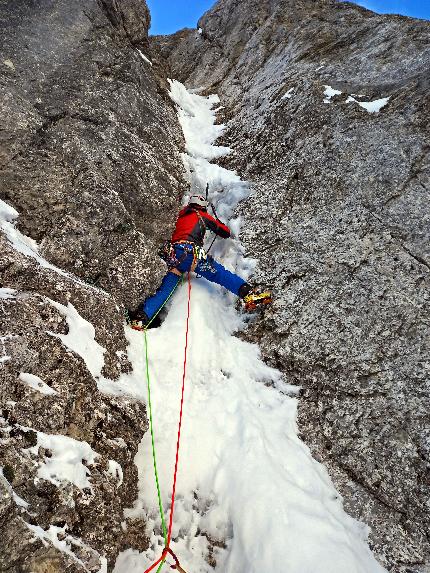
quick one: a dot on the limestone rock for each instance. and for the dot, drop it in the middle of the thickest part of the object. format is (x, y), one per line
(90, 159)
(89, 146)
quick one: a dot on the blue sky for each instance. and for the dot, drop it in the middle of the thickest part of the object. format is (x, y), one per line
(171, 15)
(415, 8)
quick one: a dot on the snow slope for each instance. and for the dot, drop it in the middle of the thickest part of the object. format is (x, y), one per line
(246, 482)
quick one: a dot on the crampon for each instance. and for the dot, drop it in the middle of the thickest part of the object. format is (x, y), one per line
(137, 325)
(137, 320)
(255, 299)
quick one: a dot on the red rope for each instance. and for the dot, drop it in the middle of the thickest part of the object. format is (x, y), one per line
(180, 414)
(169, 535)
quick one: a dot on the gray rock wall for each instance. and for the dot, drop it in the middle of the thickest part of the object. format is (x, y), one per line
(90, 140)
(89, 157)
(339, 223)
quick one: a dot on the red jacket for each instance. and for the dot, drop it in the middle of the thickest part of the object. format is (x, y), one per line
(192, 224)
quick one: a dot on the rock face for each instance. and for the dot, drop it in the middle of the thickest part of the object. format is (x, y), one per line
(339, 223)
(89, 141)
(89, 159)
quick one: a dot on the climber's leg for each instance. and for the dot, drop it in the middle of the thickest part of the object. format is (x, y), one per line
(221, 276)
(153, 303)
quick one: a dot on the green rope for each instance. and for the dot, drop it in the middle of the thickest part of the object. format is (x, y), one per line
(154, 457)
(167, 300)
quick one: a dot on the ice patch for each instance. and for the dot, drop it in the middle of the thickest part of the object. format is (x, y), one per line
(36, 383)
(144, 58)
(329, 93)
(81, 338)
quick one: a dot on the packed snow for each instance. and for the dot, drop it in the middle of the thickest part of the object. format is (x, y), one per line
(81, 338)
(58, 537)
(370, 106)
(329, 93)
(288, 94)
(65, 463)
(144, 58)
(20, 242)
(36, 383)
(245, 480)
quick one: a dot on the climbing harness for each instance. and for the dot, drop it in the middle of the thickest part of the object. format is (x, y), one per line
(203, 260)
(167, 253)
(200, 257)
(167, 533)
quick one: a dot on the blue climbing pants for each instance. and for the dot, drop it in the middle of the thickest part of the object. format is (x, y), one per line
(209, 269)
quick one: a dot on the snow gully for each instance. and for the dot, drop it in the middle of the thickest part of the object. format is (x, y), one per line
(250, 497)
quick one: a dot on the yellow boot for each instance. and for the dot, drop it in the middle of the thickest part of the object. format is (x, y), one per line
(254, 299)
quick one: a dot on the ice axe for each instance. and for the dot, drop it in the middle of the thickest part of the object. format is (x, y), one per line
(216, 217)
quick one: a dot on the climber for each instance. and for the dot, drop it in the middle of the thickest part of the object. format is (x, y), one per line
(185, 253)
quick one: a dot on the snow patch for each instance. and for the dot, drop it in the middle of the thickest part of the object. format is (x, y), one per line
(200, 31)
(65, 463)
(115, 470)
(5, 356)
(329, 93)
(144, 58)
(36, 383)
(61, 540)
(370, 106)
(288, 94)
(81, 338)
(7, 293)
(20, 242)
(16, 498)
